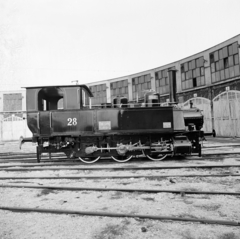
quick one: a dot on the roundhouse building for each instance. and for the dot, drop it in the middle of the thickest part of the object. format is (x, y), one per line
(209, 79)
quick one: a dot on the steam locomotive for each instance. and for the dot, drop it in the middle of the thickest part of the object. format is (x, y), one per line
(120, 130)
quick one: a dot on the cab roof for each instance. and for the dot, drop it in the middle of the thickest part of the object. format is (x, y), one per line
(61, 86)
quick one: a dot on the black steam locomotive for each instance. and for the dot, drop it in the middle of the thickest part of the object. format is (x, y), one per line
(62, 119)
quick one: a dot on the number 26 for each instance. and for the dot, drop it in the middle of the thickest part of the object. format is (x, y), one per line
(72, 121)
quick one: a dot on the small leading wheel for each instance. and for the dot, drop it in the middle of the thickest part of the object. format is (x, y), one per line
(157, 157)
(122, 159)
(89, 159)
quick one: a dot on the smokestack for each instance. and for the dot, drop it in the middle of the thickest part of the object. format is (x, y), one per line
(172, 85)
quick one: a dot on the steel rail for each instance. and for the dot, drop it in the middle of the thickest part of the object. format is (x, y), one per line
(119, 189)
(16, 154)
(19, 157)
(112, 214)
(28, 154)
(26, 161)
(124, 177)
(220, 153)
(33, 160)
(24, 156)
(40, 164)
(29, 167)
(219, 146)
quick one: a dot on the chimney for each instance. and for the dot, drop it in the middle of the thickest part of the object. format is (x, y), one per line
(172, 85)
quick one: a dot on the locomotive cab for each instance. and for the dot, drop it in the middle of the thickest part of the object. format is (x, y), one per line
(55, 98)
(42, 102)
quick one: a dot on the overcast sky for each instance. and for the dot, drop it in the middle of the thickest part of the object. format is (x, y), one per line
(54, 42)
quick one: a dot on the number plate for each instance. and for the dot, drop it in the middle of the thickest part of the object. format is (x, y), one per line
(104, 125)
(167, 125)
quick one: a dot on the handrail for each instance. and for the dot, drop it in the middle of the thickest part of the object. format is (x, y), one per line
(90, 106)
(38, 123)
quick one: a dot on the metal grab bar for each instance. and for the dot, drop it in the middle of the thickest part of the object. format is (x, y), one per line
(50, 119)
(38, 118)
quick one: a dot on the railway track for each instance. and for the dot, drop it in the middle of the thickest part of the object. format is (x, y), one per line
(124, 215)
(188, 191)
(152, 177)
(132, 190)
